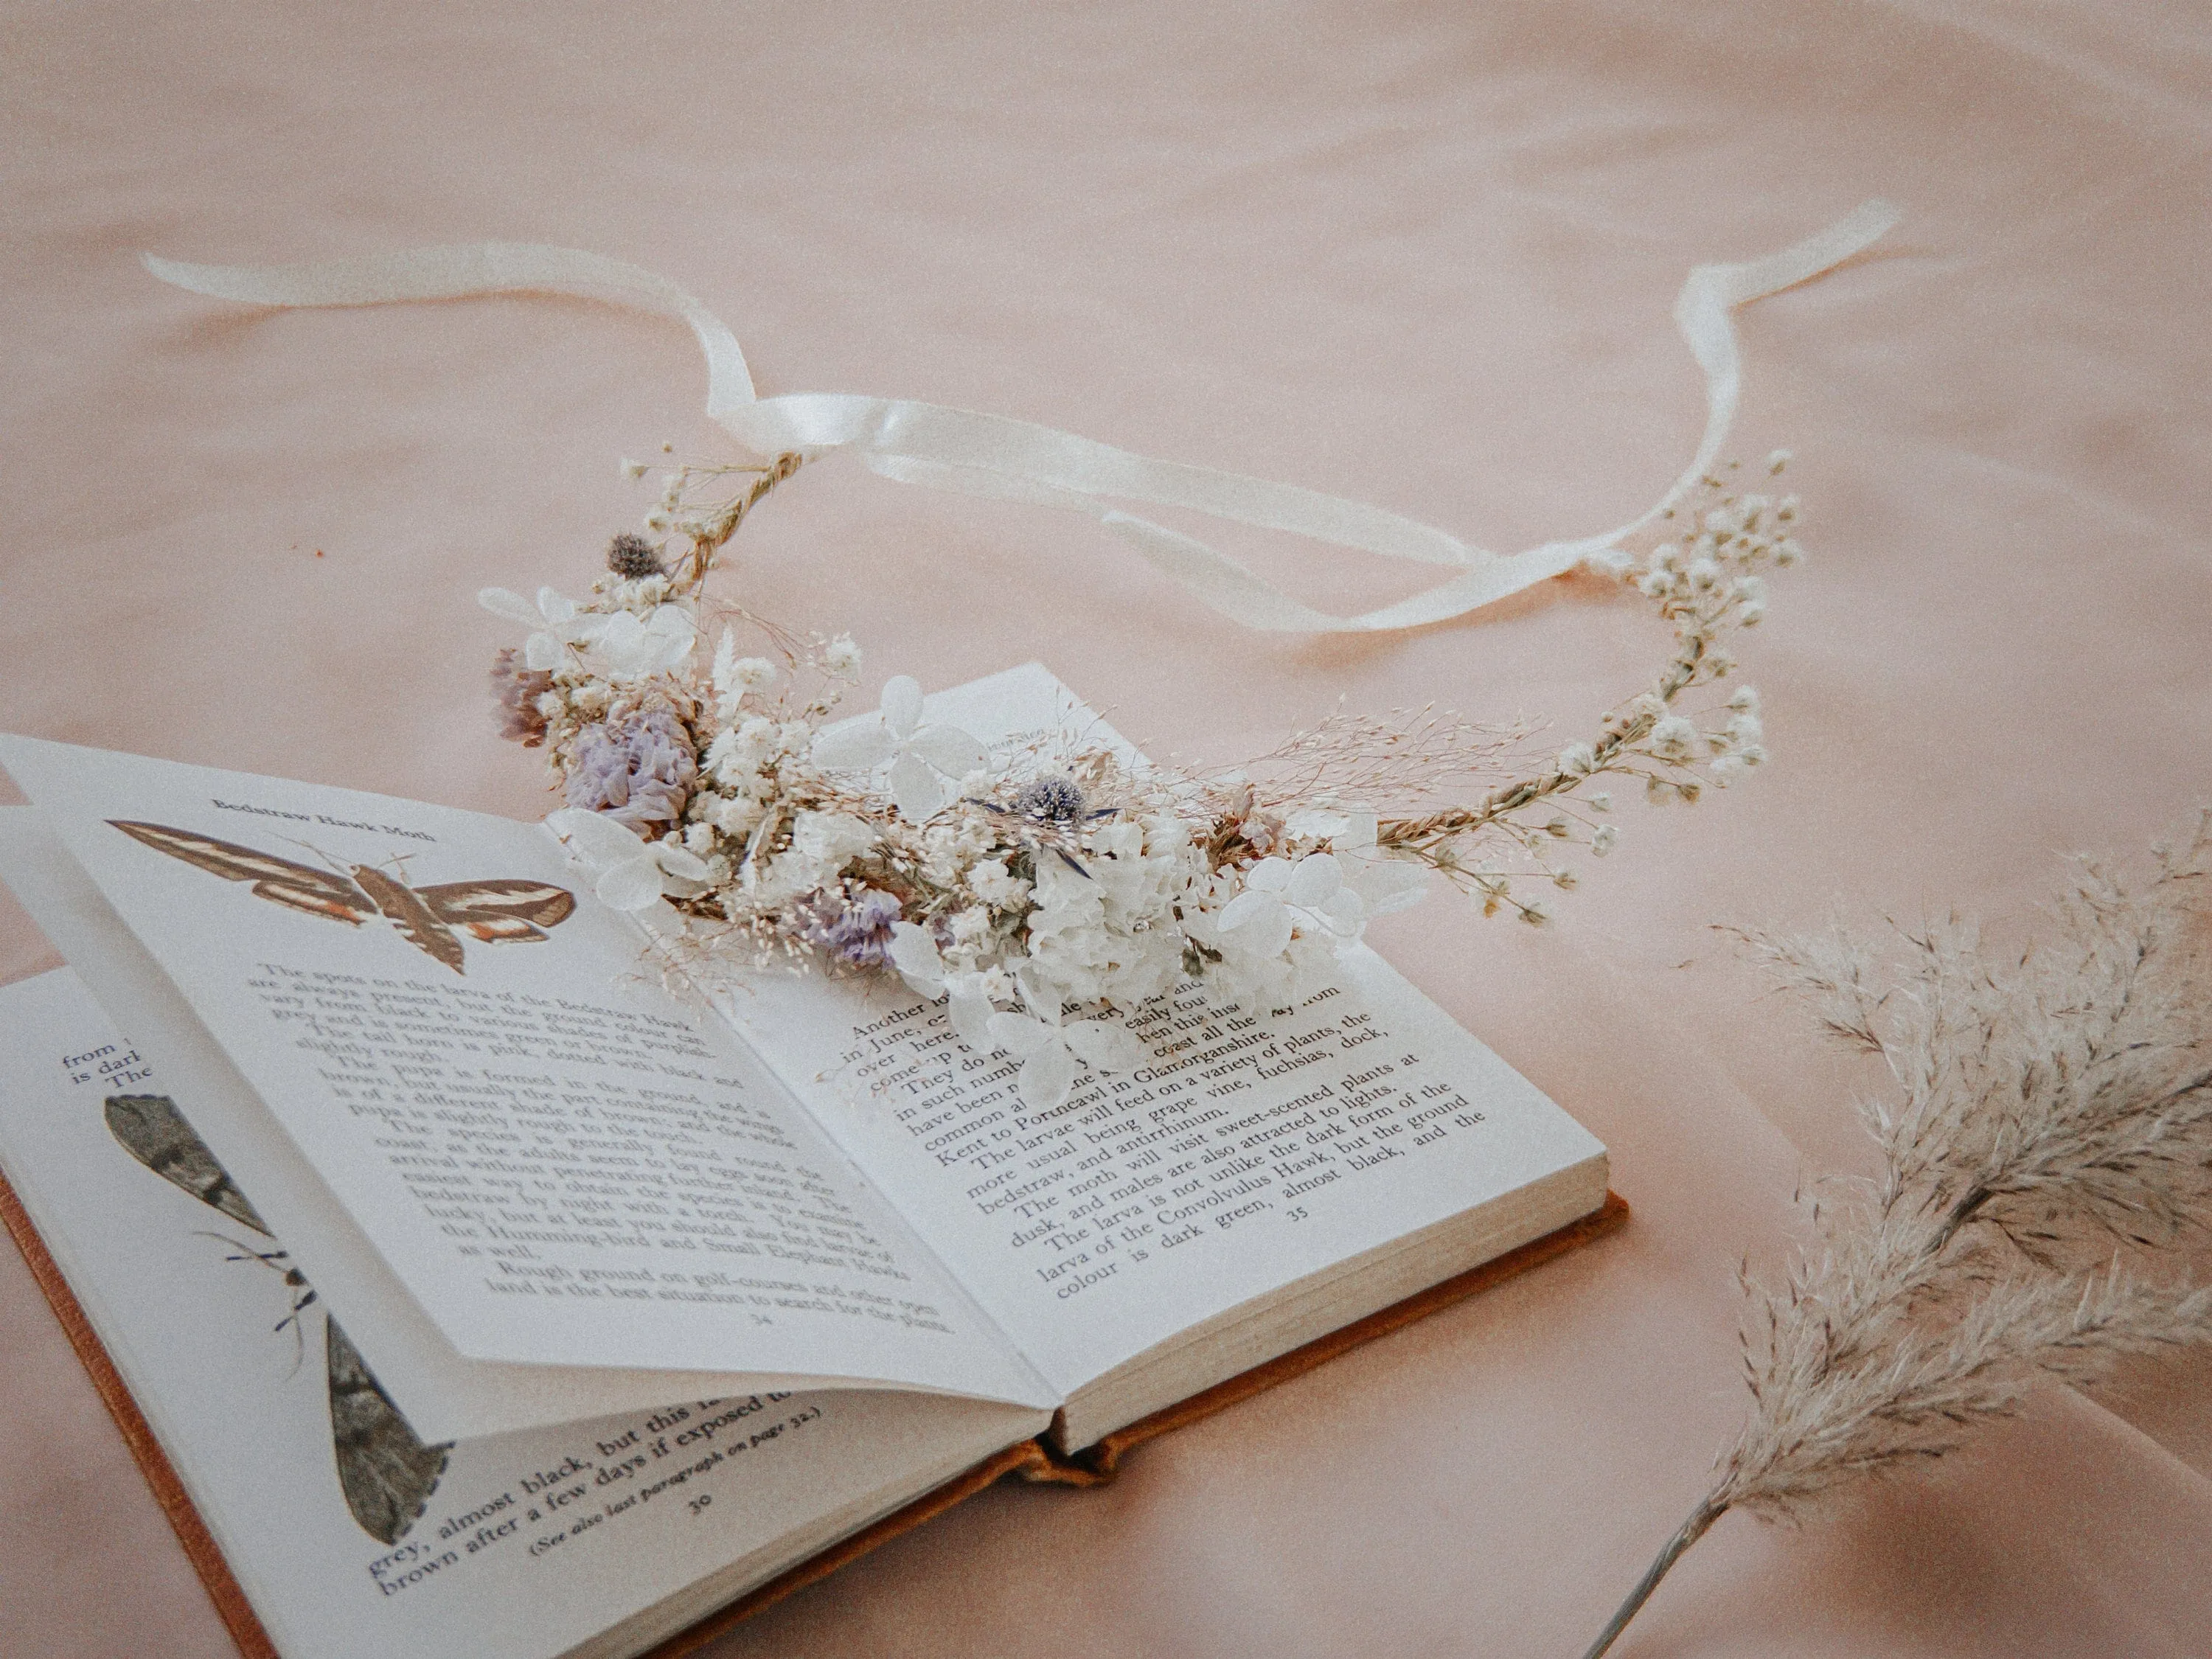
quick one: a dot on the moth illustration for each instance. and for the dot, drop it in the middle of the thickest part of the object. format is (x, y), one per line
(500, 911)
(386, 1473)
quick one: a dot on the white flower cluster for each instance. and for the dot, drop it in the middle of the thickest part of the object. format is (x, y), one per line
(1119, 913)
(716, 798)
(637, 630)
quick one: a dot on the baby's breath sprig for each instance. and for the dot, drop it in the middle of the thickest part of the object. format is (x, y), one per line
(1707, 582)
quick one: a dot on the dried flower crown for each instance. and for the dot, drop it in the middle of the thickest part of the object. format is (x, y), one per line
(1030, 887)
(1043, 892)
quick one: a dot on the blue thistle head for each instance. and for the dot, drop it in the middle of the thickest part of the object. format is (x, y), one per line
(1050, 800)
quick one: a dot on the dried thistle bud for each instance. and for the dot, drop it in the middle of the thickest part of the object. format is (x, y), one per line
(519, 692)
(632, 557)
(1052, 799)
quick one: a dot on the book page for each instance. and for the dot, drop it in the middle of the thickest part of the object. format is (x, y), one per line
(353, 1538)
(1261, 1147)
(562, 1164)
(447, 1396)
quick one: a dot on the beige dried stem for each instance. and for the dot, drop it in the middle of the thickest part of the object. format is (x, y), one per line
(711, 528)
(2046, 1140)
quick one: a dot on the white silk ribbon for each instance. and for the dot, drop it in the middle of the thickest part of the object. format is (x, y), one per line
(979, 454)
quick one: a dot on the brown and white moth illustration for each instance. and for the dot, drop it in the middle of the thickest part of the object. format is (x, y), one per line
(502, 911)
(385, 1472)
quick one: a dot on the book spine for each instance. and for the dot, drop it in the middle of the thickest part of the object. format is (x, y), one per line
(200, 1548)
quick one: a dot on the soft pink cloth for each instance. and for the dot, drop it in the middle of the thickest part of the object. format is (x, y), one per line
(1420, 254)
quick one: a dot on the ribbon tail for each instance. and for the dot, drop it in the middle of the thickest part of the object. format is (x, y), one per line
(993, 456)
(1225, 585)
(1704, 314)
(465, 270)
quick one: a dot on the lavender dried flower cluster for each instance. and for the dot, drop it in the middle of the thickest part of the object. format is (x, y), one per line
(1043, 893)
(2046, 1142)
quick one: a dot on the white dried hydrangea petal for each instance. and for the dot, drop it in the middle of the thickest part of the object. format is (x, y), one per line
(1256, 921)
(1314, 881)
(673, 633)
(1388, 885)
(621, 639)
(915, 955)
(1345, 913)
(1019, 1035)
(902, 705)
(1047, 1077)
(950, 750)
(916, 788)
(594, 838)
(631, 885)
(972, 1014)
(860, 746)
(676, 861)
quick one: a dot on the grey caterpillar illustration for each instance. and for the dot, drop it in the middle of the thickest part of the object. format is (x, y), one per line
(386, 1473)
(503, 910)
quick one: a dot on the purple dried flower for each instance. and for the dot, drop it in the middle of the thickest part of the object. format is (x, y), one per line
(855, 929)
(631, 557)
(517, 690)
(638, 770)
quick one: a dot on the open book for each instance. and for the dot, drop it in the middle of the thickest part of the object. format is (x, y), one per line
(622, 1303)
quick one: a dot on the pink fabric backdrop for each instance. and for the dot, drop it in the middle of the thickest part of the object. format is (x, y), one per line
(1419, 254)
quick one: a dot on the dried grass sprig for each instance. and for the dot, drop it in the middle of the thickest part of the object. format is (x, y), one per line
(697, 503)
(1392, 762)
(2046, 1145)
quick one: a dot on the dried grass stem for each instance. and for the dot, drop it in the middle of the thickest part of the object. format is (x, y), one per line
(2047, 1147)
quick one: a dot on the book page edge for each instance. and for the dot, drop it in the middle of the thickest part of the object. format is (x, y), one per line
(1035, 1462)
(1100, 1461)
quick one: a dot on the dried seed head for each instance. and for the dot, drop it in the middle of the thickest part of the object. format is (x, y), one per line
(522, 693)
(632, 557)
(1052, 800)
